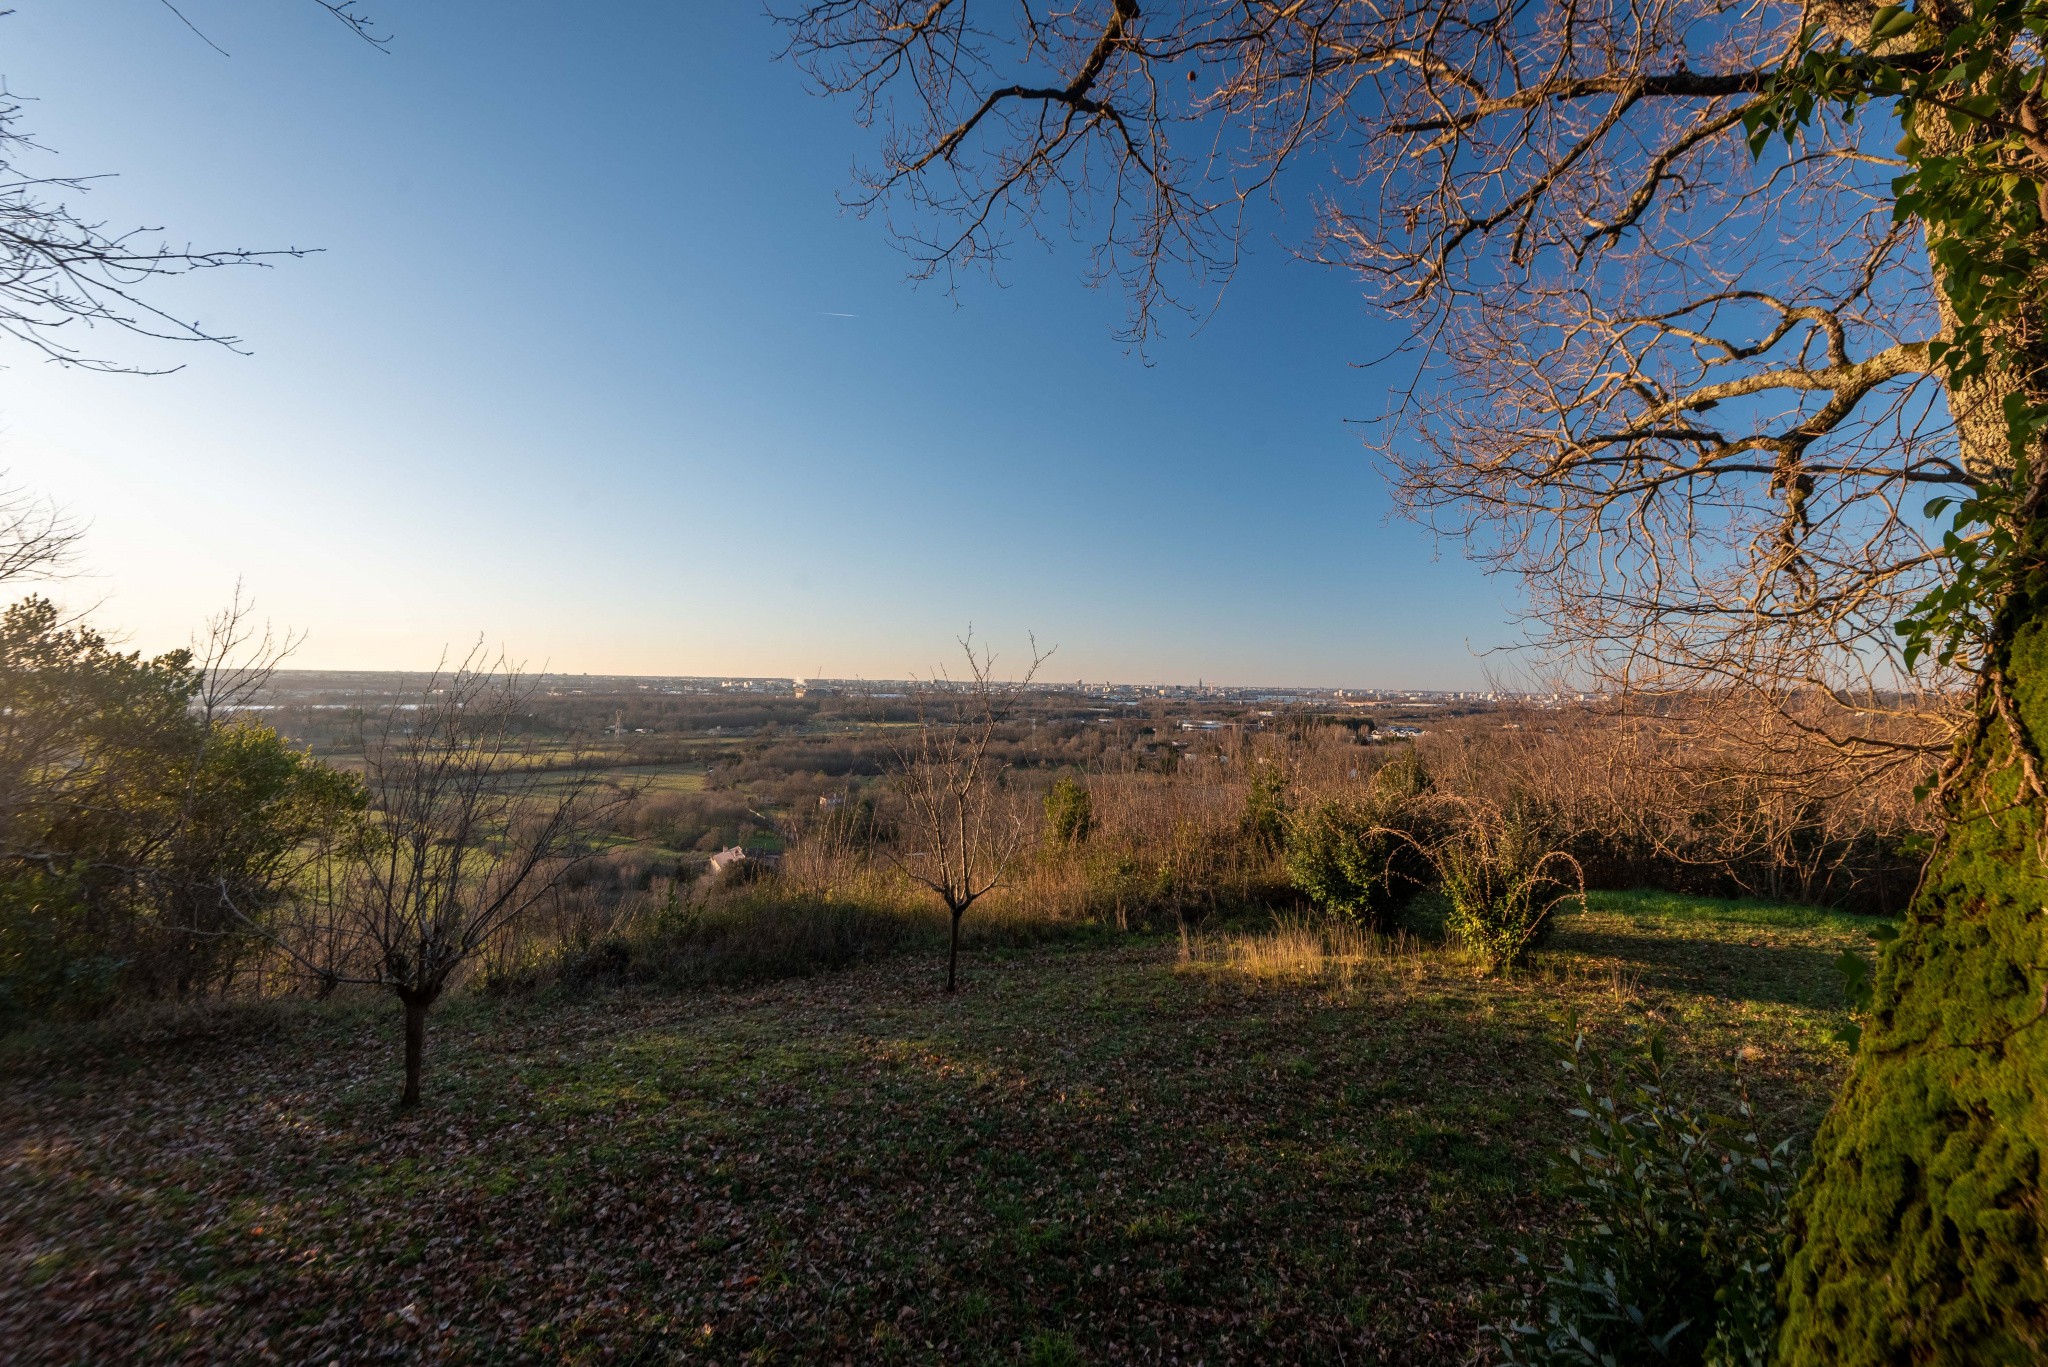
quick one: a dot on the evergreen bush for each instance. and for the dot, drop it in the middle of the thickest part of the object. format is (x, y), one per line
(1674, 1245)
(1353, 858)
(1069, 812)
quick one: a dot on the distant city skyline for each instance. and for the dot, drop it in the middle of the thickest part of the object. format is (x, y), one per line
(608, 379)
(554, 680)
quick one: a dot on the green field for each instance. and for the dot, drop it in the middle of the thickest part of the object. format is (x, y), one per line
(648, 779)
(1092, 1154)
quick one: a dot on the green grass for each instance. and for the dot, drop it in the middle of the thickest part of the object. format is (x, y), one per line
(659, 778)
(1091, 1154)
(1647, 907)
(648, 779)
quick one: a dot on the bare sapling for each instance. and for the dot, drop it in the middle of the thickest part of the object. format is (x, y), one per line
(471, 827)
(963, 831)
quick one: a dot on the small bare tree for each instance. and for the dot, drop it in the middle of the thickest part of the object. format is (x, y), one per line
(962, 832)
(468, 831)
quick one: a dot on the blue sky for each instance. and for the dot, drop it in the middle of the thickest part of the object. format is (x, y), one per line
(568, 374)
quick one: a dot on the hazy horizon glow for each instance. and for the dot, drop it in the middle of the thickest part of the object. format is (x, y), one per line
(591, 366)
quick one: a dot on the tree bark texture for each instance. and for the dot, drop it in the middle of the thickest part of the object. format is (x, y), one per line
(415, 1049)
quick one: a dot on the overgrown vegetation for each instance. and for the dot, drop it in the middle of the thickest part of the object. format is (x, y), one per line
(1123, 827)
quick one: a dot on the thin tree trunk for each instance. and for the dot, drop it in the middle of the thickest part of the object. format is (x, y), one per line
(415, 1047)
(953, 953)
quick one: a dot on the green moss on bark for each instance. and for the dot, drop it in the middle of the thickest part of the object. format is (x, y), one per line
(1919, 1235)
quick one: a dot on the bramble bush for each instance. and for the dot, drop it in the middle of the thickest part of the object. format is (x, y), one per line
(1504, 881)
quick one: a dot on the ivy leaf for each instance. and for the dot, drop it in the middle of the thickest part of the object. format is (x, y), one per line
(1854, 971)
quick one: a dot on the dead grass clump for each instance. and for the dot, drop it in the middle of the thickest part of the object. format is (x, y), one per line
(1299, 949)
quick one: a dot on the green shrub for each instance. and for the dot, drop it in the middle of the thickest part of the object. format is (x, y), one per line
(142, 842)
(1069, 812)
(1673, 1249)
(1265, 808)
(1402, 780)
(1353, 858)
(56, 959)
(1504, 883)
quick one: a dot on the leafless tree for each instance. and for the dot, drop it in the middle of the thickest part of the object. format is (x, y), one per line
(235, 658)
(467, 833)
(63, 272)
(962, 830)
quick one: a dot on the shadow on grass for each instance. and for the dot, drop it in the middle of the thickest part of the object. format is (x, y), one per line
(1757, 969)
(854, 1168)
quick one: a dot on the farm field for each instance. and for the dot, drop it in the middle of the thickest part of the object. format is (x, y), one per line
(648, 779)
(1092, 1154)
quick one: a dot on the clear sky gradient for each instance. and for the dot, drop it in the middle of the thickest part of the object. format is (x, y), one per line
(571, 372)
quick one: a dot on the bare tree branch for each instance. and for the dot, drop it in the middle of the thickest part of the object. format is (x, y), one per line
(1684, 393)
(64, 274)
(37, 539)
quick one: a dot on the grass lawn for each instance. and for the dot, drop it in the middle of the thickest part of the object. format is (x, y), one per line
(1091, 1155)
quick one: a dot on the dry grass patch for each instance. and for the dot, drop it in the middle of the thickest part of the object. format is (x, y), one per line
(1302, 949)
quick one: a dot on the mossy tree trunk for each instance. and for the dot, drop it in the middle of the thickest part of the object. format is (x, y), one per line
(1920, 1234)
